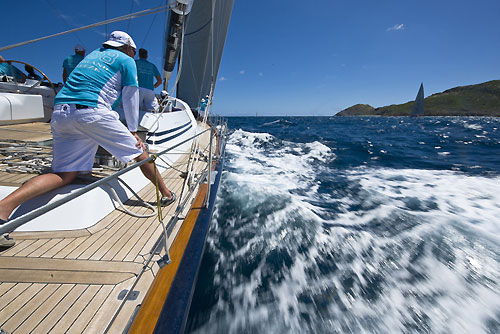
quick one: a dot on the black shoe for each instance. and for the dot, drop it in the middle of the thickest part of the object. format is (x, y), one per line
(6, 241)
(168, 200)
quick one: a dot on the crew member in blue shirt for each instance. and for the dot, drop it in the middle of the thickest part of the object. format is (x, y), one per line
(83, 120)
(6, 68)
(70, 62)
(146, 72)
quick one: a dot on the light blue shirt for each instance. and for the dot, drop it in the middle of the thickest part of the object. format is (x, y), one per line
(98, 79)
(70, 62)
(146, 72)
(203, 105)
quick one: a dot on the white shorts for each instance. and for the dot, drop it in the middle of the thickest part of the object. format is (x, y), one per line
(77, 133)
(147, 100)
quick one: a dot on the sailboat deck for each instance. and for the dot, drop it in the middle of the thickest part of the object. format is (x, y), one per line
(74, 281)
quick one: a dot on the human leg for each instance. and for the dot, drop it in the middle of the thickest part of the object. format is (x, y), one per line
(149, 172)
(37, 186)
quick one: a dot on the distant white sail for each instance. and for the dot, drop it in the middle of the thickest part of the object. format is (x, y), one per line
(418, 107)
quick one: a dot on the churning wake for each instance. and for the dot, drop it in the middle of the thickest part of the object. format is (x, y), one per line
(300, 246)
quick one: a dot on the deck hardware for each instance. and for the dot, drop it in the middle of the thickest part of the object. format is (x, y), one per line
(130, 296)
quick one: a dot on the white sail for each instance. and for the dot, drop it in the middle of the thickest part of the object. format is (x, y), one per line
(204, 39)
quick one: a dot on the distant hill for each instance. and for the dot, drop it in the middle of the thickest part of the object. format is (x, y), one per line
(474, 100)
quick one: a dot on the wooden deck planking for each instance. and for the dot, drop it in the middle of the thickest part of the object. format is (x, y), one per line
(18, 247)
(127, 235)
(4, 287)
(24, 297)
(88, 245)
(154, 229)
(115, 236)
(89, 305)
(69, 247)
(129, 307)
(11, 178)
(89, 311)
(107, 239)
(47, 245)
(57, 248)
(32, 247)
(60, 309)
(15, 290)
(131, 241)
(76, 309)
(108, 308)
(50, 234)
(30, 307)
(44, 310)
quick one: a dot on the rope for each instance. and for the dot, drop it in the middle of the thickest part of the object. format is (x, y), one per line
(130, 11)
(159, 207)
(63, 18)
(120, 203)
(141, 13)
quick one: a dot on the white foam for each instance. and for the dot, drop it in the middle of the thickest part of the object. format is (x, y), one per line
(451, 214)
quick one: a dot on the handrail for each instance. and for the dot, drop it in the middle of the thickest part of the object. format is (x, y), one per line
(45, 76)
(15, 223)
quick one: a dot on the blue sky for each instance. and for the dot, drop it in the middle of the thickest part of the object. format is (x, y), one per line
(294, 57)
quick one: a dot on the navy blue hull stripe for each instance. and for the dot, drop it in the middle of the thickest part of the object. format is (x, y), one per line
(169, 138)
(158, 134)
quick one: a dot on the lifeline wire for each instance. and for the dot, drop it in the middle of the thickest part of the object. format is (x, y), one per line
(117, 19)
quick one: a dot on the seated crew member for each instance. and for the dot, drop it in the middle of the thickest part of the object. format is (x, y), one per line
(146, 71)
(83, 120)
(70, 62)
(6, 68)
(31, 73)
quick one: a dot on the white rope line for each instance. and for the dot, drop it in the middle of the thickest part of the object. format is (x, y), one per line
(116, 19)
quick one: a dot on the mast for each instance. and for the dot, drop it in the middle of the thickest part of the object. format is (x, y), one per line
(174, 32)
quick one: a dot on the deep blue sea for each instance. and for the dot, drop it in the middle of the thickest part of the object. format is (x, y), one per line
(354, 225)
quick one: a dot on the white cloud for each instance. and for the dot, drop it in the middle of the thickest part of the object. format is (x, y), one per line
(397, 27)
(242, 72)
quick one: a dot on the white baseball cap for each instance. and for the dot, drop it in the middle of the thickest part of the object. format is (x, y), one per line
(79, 47)
(119, 38)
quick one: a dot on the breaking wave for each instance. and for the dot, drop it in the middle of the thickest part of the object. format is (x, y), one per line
(298, 245)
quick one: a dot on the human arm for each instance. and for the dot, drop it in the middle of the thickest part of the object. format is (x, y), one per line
(158, 81)
(157, 76)
(130, 102)
(65, 75)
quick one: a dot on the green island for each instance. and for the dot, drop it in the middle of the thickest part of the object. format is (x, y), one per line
(473, 100)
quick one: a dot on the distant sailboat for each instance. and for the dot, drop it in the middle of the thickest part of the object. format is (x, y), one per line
(418, 107)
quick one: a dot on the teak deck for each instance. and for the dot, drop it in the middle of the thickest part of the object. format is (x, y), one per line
(74, 281)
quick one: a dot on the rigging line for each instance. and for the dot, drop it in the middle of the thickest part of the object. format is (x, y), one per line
(130, 11)
(117, 19)
(62, 17)
(149, 29)
(106, 16)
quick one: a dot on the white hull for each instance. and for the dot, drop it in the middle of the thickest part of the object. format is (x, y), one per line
(165, 130)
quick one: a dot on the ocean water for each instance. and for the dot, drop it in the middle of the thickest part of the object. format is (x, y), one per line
(354, 225)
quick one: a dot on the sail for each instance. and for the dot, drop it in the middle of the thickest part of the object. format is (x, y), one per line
(418, 107)
(204, 39)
